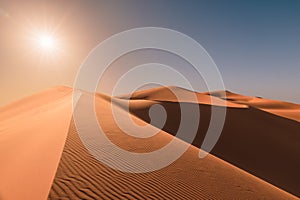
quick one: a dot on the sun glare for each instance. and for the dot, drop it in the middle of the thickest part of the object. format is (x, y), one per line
(46, 42)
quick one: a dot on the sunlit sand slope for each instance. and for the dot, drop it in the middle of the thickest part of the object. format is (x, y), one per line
(81, 176)
(32, 136)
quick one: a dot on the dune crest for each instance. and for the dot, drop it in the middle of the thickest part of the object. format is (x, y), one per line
(166, 94)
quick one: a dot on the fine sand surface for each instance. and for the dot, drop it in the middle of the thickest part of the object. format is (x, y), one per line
(262, 143)
(32, 137)
(42, 155)
(81, 176)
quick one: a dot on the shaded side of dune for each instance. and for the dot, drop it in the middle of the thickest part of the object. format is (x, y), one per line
(261, 143)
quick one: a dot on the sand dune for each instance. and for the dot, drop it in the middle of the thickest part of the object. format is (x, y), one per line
(42, 155)
(80, 176)
(284, 109)
(166, 94)
(261, 143)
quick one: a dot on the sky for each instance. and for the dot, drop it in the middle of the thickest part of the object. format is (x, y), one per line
(255, 44)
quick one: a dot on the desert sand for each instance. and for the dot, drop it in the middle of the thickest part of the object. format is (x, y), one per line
(253, 139)
(32, 137)
(42, 156)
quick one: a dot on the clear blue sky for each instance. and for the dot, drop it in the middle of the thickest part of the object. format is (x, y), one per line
(255, 44)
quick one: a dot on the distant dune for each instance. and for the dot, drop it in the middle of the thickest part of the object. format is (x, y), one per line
(166, 94)
(42, 155)
(284, 109)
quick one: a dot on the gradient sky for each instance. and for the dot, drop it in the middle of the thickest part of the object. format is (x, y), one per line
(255, 44)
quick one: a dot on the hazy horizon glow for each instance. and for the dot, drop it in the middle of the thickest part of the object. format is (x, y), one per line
(255, 44)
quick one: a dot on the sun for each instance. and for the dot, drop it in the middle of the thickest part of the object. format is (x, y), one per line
(46, 42)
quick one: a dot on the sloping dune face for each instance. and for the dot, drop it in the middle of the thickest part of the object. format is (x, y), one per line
(81, 176)
(280, 108)
(32, 137)
(265, 144)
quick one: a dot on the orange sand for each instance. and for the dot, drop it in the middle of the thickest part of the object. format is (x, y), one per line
(41, 153)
